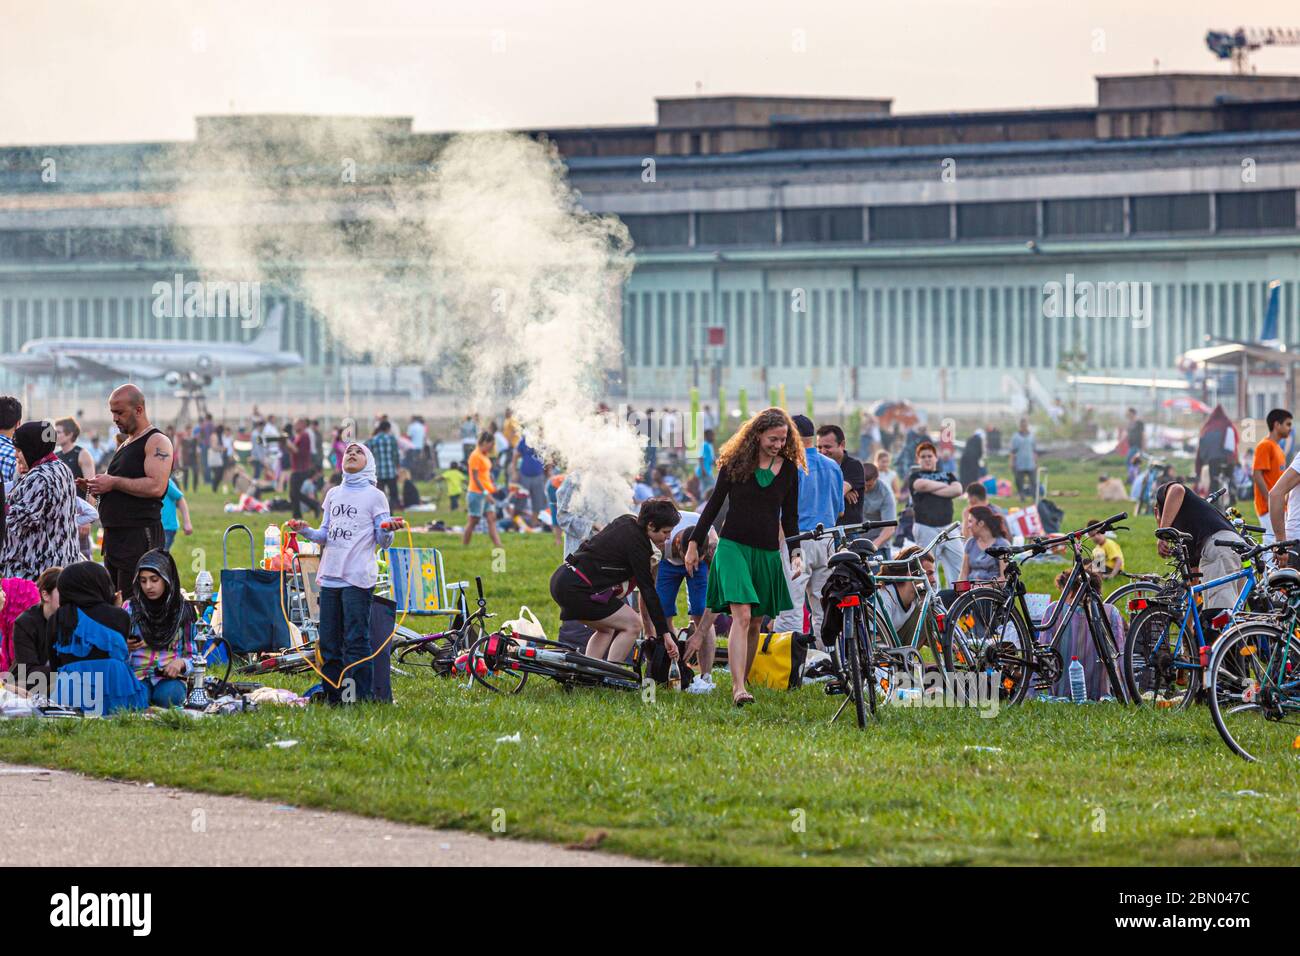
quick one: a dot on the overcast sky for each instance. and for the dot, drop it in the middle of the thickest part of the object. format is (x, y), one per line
(76, 71)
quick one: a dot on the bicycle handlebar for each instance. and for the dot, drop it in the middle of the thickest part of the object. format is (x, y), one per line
(821, 531)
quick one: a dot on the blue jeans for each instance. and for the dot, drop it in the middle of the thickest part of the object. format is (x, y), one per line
(668, 582)
(168, 537)
(170, 692)
(345, 638)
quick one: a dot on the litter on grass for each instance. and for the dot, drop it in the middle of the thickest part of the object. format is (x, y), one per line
(512, 739)
(283, 744)
(982, 749)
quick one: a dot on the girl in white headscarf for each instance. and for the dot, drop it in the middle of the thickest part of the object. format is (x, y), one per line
(355, 520)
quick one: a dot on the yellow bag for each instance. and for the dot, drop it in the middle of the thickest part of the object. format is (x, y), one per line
(779, 661)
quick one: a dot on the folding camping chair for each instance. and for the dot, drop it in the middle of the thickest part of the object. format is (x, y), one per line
(426, 591)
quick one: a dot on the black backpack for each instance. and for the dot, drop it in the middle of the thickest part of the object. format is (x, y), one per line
(656, 663)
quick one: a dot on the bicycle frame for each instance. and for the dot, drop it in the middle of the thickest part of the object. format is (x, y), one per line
(1191, 612)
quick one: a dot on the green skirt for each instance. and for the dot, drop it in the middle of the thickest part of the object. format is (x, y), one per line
(740, 574)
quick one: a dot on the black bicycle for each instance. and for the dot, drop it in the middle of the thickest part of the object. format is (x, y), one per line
(859, 653)
(990, 630)
(444, 648)
(502, 663)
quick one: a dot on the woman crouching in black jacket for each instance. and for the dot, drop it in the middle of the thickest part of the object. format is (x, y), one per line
(591, 585)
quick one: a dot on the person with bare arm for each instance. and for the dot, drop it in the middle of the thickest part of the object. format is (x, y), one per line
(131, 490)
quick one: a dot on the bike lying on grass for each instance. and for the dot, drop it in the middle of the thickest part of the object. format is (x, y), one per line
(442, 649)
(990, 630)
(503, 663)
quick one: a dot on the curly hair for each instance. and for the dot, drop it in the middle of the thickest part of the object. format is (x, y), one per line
(738, 458)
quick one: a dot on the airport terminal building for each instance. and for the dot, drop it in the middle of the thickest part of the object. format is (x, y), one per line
(804, 242)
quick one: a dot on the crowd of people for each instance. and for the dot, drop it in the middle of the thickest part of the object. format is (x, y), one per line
(120, 633)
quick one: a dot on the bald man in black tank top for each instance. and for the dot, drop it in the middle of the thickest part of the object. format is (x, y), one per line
(131, 490)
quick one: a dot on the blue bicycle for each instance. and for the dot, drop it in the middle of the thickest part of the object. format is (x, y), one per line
(1168, 647)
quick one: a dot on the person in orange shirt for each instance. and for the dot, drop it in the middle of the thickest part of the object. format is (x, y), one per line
(479, 502)
(1270, 462)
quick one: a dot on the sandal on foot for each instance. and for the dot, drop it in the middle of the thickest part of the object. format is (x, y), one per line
(741, 700)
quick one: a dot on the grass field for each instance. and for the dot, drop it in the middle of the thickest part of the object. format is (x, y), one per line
(693, 779)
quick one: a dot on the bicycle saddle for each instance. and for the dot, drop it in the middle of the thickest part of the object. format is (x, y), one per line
(1240, 547)
(998, 552)
(844, 557)
(1173, 535)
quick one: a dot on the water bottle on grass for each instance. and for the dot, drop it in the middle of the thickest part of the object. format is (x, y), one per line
(1078, 686)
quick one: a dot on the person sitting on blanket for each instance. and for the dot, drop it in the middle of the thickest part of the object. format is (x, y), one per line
(90, 653)
(1078, 642)
(162, 630)
(356, 521)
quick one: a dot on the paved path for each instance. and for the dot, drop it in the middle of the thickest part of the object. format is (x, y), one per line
(135, 824)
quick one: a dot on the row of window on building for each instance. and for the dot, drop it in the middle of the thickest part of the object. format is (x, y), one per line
(932, 222)
(935, 327)
(939, 222)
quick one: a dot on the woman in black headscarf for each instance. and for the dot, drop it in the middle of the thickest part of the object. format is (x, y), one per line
(162, 629)
(42, 508)
(90, 654)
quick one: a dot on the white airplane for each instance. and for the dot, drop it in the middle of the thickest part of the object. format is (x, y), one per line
(176, 361)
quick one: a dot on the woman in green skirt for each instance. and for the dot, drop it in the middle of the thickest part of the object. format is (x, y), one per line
(758, 473)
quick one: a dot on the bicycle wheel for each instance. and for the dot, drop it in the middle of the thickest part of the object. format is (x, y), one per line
(1159, 669)
(1254, 691)
(982, 637)
(491, 664)
(851, 649)
(1121, 596)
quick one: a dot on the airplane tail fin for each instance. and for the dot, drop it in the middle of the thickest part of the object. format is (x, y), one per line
(1269, 335)
(267, 338)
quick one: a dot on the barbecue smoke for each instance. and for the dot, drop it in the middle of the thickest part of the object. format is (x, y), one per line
(483, 268)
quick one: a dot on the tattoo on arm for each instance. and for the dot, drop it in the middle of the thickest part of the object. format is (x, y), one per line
(160, 453)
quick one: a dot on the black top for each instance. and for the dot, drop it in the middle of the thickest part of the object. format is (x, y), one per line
(969, 465)
(752, 517)
(852, 471)
(1196, 517)
(72, 458)
(617, 555)
(117, 509)
(1134, 435)
(33, 639)
(928, 508)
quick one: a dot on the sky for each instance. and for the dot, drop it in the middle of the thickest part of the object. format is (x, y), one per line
(95, 71)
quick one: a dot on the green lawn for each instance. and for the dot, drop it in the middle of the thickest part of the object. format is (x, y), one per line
(692, 779)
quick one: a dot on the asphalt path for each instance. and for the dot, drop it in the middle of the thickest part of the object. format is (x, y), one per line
(56, 818)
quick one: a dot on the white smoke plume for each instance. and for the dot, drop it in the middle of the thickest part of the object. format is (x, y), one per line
(486, 267)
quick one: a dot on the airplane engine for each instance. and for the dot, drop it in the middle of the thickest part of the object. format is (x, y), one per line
(172, 378)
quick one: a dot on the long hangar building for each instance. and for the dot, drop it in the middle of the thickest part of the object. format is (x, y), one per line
(810, 241)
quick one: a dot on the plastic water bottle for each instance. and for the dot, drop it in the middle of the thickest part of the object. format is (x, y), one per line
(203, 586)
(674, 676)
(1078, 686)
(271, 542)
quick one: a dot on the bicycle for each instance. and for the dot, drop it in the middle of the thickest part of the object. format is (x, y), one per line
(1168, 649)
(851, 580)
(990, 630)
(444, 648)
(502, 663)
(1147, 489)
(1253, 680)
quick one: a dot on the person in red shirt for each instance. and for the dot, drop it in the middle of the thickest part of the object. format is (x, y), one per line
(300, 468)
